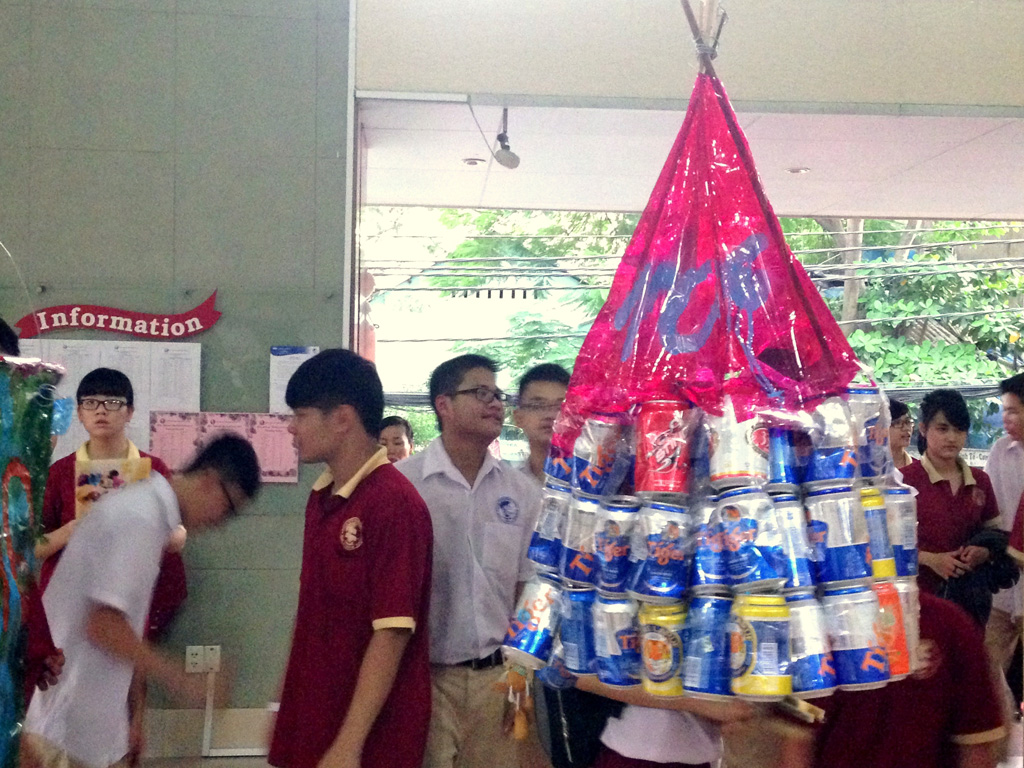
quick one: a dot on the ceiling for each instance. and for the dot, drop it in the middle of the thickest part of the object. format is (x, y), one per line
(881, 166)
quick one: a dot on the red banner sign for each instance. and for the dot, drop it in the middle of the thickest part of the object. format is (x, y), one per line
(144, 324)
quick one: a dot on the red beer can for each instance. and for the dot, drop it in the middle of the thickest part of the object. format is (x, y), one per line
(663, 433)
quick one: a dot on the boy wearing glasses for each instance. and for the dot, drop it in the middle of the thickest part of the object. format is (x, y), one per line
(483, 512)
(541, 394)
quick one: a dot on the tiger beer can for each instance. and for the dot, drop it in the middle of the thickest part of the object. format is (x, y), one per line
(754, 558)
(810, 656)
(784, 471)
(662, 575)
(594, 454)
(910, 602)
(616, 641)
(795, 546)
(837, 532)
(901, 518)
(739, 452)
(532, 629)
(759, 645)
(883, 562)
(851, 615)
(892, 629)
(558, 465)
(663, 436)
(578, 563)
(616, 518)
(546, 542)
(706, 648)
(708, 574)
(866, 406)
(661, 648)
(577, 630)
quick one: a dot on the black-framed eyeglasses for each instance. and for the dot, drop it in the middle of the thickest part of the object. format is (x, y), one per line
(93, 403)
(906, 421)
(231, 503)
(485, 395)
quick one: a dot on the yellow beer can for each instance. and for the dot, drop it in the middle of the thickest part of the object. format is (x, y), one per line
(661, 648)
(759, 641)
(883, 562)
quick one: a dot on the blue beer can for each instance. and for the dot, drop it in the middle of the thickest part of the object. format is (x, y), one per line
(866, 405)
(706, 647)
(531, 631)
(795, 545)
(759, 645)
(708, 574)
(659, 571)
(754, 559)
(558, 466)
(832, 466)
(850, 616)
(616, 518)
(784, 471)
(616, 641)
(594, 454)
(577, 630)
(838, 535)
(811, 663)
(578, 563)
(546, 542)
(901, 518)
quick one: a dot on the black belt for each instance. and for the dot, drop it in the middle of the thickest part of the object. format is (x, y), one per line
(487, 662)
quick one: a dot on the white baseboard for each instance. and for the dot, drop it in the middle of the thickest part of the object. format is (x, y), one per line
(179, 732)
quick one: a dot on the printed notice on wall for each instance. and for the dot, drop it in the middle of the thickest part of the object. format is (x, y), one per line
(283, 362)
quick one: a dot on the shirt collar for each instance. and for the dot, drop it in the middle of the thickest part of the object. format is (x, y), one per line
(437, 461)
(82, 454)
(379, 459)
(934, 476)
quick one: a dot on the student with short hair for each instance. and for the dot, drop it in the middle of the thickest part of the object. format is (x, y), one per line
(541, 394)
(396, 437)
(357, 687)
(99, 597)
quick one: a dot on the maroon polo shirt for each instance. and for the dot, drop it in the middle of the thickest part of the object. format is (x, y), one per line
(946, 522)
(366, 561)
(917, 722)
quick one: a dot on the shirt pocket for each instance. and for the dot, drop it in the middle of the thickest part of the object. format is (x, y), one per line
(501, 550)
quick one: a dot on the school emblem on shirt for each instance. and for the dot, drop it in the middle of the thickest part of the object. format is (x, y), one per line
(508, 510)
(978, 497)
(352, 534)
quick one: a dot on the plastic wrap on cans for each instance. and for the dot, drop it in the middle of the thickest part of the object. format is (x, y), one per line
(706, 647)
(838, 536)
(664, 430)
(910, 602)
(834, 458)
(616, 518)
(811, 664)
(851, 615)
(660, 569)
(661, 648)
(892, 630)
(785, 472)
(577, 630)
(533, 627)
(555, 674)
(594, 454)
(546, 543)
(759, 645)
(738, 450)
(578, 563)
(700, 462)
(708, 573)
(871, 426)
(754, 558)
(883, 563)
(616, 641)
(796, 547)
(901, 517)
(558, 466)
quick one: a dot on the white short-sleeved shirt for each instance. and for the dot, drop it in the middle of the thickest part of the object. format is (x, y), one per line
(112, 560)
(481, 536)
(1005, 468)
(662, 736)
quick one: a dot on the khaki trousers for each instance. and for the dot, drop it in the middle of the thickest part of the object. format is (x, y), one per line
(1002, 634)
(37, 752)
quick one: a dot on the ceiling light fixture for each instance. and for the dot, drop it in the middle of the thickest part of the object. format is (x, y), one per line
(798, 170)
(505, 156)
(473, 160)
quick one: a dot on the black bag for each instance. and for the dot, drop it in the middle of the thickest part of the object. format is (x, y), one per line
(574, 721)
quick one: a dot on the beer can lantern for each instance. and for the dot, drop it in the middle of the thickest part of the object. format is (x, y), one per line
(531, 632)
(838, 536)
(851, 615)
(759, 644)
(892, 630)
(739, 451)
(616, 518)
(663, 434)
(811, 664)
(910, 602)
(754, 558)
(661, 575)
(883, 562)
(578, 563)
(594, 454)
(546, 542)
(616, 641)
(795, 545)
(661, 648)
(784, 471)
(706, 648)
(901, 518)
(577, 630)
(708, 574)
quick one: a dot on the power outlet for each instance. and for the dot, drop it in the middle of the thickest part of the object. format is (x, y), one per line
(212, 656)
(195, 659)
